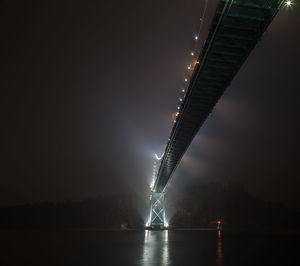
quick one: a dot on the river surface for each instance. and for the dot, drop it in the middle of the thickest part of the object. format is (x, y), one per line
(92, 247)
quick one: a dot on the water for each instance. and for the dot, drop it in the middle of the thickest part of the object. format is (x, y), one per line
(92, 247)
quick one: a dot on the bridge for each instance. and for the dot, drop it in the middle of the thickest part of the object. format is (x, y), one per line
(236, 28)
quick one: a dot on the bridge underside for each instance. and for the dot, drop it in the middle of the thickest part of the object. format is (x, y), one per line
(236, 28)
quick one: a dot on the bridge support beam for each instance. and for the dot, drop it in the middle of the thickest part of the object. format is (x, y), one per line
(157, 218)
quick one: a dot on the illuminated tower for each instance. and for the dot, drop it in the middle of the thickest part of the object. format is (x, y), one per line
(157, 211)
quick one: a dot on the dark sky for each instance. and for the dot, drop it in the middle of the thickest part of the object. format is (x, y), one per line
(89, 89)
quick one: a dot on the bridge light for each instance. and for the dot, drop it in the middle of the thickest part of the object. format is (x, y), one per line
(180, 99)
(192, 54)
(182, 90)
(189, 67)
(288, 3)
(185, 80)
(178, 107)
(174, 121)
(158, 158)
(196, 37)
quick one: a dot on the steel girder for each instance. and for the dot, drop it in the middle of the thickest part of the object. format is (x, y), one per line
(236, 28)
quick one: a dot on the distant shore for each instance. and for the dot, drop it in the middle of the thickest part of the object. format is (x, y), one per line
(238, 231)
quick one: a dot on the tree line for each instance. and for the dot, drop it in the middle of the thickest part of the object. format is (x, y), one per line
(200, 205)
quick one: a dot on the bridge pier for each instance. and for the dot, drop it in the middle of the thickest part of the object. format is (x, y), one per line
(157, 216)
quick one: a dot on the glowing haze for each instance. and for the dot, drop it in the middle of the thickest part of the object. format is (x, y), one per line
(90, 91)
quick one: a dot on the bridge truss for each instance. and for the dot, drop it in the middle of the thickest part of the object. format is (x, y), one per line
(235, 30)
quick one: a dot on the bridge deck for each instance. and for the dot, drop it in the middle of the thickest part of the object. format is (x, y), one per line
(236, 28)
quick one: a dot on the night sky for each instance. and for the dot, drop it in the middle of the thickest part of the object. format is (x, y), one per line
(89, 89)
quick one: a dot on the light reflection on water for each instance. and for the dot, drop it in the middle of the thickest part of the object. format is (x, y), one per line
(219, 249)
(156, 248)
